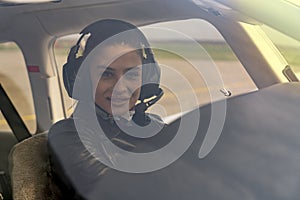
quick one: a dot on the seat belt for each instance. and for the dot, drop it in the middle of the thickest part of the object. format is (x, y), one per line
(12, 117)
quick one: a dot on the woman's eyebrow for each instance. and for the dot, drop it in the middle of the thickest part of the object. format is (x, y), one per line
(105, 68)
(135, 68)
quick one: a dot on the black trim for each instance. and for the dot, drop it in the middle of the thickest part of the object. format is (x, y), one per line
(12, 117)
(5, 185)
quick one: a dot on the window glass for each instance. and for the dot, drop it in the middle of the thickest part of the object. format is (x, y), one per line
(14, 79)
(196, 47)
(288, 47)
(178, 47)
(61, 49)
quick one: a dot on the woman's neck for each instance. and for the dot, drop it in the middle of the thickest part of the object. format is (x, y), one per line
(107, 116)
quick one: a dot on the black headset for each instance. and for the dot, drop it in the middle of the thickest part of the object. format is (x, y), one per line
(150, 69)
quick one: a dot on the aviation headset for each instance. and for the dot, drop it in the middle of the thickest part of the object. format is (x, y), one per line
(100, 31)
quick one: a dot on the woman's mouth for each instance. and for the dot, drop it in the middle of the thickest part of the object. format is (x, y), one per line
(118, 101)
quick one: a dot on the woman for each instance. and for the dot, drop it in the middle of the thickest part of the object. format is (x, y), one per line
(116, 70)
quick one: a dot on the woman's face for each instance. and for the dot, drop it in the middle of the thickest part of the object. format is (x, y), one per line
(116, 78)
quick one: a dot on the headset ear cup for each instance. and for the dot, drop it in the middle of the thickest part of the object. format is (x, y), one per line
(70, 71)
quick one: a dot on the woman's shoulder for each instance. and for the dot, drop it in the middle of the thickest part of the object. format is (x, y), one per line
(63, 131)
(62, 126)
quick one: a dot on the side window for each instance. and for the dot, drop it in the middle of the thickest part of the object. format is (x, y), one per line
(14, 79)
(288, 47)
(61, 49)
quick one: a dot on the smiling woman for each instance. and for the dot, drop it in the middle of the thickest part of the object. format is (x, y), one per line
(119, 83)
(230, 126)
(116, 70)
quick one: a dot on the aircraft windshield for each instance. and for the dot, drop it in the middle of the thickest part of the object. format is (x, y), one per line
(185, 50)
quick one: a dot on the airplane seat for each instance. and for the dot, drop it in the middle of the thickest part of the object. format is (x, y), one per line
(30, 171)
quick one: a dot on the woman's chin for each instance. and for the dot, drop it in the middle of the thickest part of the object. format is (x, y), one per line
(119, 111)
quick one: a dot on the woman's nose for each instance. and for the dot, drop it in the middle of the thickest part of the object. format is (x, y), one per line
(120, 85)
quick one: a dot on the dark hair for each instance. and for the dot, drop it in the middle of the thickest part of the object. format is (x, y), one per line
(110, 28)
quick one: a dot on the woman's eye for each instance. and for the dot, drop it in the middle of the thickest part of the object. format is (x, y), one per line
(107, 74)
(133, 74)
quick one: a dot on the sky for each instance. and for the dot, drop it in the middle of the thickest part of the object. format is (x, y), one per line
(195, 28)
